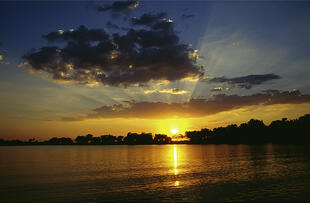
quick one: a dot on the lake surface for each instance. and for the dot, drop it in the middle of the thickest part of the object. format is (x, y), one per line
(154, 173)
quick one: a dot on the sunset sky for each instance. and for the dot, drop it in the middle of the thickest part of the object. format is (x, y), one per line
(71, 68)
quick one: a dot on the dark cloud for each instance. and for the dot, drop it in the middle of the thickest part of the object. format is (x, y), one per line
(81, 36)
(133, 58)
(148, 19)
(195, 107)
(246, 82)
(150, 38)
(112, 25)
(119, 6)
(269, 91)
(156, 22)
(187, 16)
(125, 28)
(3, 54)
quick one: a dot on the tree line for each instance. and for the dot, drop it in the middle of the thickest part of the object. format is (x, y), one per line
(282, 131)
(89, 139)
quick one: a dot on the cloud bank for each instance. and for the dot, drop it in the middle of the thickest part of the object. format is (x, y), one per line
(119, 6)
(246, 82)
(175, 91)
(194, 107)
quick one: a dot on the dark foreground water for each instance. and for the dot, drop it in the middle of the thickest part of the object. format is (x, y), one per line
(154, 173)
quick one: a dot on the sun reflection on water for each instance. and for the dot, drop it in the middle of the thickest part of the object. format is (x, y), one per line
(176, 171)
(175, 157)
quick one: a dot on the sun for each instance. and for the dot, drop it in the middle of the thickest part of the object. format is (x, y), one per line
(174, 131)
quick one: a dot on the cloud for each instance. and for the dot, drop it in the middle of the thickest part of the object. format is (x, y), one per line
(81, 36)
(134, 58)
(176, 91)
(246, 82)
(119, 6)
(156, 22)
(219, 89)
(194, 107)
(173, 91)
(187, 16)
(112, 25)
(125, 28)
(3, 54)
(148, 19)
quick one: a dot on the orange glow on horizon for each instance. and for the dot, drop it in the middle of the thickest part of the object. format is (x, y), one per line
(173, 127)
(25, 128)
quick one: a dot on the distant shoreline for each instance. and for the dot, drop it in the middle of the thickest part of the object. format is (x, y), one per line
(254, 132)
(278, 144)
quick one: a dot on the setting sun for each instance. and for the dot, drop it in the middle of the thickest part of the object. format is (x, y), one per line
(174, 131)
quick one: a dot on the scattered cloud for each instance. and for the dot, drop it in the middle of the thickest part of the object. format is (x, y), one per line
(219, 89)
(60, 32)
(125, 28)
(79, 36)
(187, 16)
(246, 82)
(3, 54)
(148, 19)
(167, 91)
(236, 44)
(134, 58)
(112, 25)
(173, 91)
(194, 107)
(4, 62)
(119, 6)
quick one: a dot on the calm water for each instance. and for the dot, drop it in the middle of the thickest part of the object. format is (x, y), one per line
(154, 173)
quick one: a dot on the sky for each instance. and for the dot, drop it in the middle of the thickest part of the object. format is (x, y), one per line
(110, 67)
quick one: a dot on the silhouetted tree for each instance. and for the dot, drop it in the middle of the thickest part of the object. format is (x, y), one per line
(256, 132)
(134, 138)
(120, 139)
(162, 139)
(95, 140)
(81, 140)
(145, 138)
(59, 141)
(131, 138)
(198, 137)
(108, 139)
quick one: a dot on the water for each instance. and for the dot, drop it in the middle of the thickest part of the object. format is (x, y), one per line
(154, 173)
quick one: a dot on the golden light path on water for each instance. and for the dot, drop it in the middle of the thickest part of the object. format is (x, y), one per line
(175, 158)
